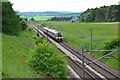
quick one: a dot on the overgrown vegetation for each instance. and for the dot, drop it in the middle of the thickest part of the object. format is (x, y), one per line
(102, 14)
(47, 61)
(113, 59)
(114, 44)
(10, 21)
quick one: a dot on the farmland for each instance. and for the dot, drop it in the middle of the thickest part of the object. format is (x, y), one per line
(78, 35)
(41, 17)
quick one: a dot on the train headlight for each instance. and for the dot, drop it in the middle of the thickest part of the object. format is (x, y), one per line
(57, 37)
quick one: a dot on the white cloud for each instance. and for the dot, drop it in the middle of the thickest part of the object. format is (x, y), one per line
(59, 5)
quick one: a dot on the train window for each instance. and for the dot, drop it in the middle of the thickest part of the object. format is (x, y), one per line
(59, 34)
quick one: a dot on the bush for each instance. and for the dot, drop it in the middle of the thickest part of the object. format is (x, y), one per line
(47, 61)
(115, 44)
(37, 40)
(29, 29)
(23, 25)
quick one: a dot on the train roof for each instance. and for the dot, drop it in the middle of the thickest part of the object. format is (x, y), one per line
(51, 30)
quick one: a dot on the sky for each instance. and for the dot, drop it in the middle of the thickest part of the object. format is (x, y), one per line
(59, 5)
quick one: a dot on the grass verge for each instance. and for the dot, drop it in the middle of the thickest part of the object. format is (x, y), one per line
(14, 55)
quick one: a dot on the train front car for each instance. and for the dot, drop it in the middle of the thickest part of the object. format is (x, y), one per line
(59, 37)
(56, 35)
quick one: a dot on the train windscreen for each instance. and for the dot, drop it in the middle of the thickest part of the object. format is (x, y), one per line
(59, 34)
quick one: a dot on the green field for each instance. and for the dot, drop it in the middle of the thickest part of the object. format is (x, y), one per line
(15, 51)
(78, 35)
(41, 17)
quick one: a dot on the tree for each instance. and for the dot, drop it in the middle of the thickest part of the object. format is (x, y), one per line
(102, 14)
(23, 25)
(10, 21)
(32, 19)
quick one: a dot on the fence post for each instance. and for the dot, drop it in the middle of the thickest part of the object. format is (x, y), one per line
(83, 62)
(91, 41)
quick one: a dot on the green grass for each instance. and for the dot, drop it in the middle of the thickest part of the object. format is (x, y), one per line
(78, 35)
(15, 51)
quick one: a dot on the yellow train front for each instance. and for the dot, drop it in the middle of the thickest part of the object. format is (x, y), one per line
(59, 37)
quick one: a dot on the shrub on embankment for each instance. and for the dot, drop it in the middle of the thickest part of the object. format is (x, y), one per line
(113, 60)
(114, 44)
(47, 61)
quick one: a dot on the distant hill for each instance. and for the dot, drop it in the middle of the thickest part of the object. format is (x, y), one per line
(102, 14)
(49, 13)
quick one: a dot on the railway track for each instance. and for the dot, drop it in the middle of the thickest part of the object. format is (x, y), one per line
(76, 65)
(99, 68)
(78, 69)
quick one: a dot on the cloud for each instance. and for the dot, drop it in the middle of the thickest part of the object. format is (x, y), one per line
(59, 5)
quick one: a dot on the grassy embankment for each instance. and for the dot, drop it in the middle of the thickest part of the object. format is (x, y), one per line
(78, 35)
(18, 51)
(15, 51)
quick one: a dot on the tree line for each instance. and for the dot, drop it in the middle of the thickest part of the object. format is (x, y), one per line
(60, 19)
(102, 14)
